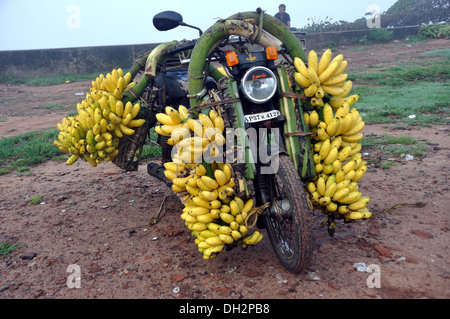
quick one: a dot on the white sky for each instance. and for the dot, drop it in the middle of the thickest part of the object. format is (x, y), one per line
(43, 24)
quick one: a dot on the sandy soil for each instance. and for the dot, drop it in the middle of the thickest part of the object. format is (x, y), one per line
(101, 220)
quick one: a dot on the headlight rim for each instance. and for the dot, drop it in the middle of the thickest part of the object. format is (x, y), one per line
(244, 80)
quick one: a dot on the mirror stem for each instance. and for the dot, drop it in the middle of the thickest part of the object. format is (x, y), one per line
(191, 26)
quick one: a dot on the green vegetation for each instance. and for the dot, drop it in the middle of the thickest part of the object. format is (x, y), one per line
(395, 146)
(436, 31)
(47, 81)
(151, 149)
(35, 200)
(20, 152)
(6, 248)
(413, 93)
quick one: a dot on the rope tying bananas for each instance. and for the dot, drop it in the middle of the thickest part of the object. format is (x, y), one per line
(212, 211)
(337, 127)
(93, 134)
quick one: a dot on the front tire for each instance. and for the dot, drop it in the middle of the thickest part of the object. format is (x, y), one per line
(288, 221)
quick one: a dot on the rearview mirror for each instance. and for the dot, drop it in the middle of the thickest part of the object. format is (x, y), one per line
(167, 20)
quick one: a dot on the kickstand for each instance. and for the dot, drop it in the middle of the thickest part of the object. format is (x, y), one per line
(156, 219)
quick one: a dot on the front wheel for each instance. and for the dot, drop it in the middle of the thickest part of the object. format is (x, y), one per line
(288, 220)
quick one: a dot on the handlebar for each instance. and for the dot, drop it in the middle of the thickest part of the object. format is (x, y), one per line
(184, 47)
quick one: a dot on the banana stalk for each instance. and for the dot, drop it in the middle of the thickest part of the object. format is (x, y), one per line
(232, 90)
(278, 30)
(210, 39)
(290, 126)
(153, 64)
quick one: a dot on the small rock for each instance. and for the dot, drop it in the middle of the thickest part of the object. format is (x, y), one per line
(28, 255)
(178, 278)
(421, 233)
(383, 251)
(312, 276)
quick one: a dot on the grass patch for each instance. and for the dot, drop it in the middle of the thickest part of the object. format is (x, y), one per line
(437, 53)
(395, 146)
(6, 248)
(427, 103)
(35, 200)
(47, 81)
(150, 149)
(21, 152)
(429, 70)
(53, 107)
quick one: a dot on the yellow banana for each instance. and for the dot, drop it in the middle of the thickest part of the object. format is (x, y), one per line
(313, 78)
(313, 61)
(341, 68)
(227, 218)
(333, 126)
(227, 239)
(220, 177)
(325, 149)
(327, 114)
(322, 134)
(332, 156)
(300, 66)
(354, 215)
(353, 138)
(321, 186)
(302, 80)
(333, 90)
(219, 124)
(355, 129)
(209, 182)
(126, 130)
(338, 194)
(334, 64)
(313, 119)
(209, 195)
(350, 197)
(136, 123)
(336, 80)
(324, 61)
(359, 204)
(311, 90)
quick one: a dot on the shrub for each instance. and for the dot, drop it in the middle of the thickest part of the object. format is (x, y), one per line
(380, 35)
(437, 31)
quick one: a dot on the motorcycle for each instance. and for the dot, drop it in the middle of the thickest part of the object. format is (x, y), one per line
(243, 66)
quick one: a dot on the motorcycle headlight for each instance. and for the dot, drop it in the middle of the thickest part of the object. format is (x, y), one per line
(259, 84)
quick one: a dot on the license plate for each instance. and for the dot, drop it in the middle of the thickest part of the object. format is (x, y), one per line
(253, 118)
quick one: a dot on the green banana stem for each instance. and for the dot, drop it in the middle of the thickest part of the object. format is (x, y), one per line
(210, 39)
(138, 65)
(288, 110)
(153, 62)
(243, 141)
(276, 28)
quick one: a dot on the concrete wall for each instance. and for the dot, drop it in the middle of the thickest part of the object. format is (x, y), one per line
(41, 63)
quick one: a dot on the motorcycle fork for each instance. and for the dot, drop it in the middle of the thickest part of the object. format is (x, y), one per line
(264, 183)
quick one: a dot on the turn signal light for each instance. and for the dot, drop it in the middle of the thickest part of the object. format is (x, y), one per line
(271, 53)
(232, 59)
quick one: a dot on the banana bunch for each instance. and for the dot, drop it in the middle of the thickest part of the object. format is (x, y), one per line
(102, 120)
(338, 161)
(212, 211)
(114, 83)
(321, 76)
(193, 138)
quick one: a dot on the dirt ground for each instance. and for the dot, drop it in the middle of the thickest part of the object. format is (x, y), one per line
(100, 220)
